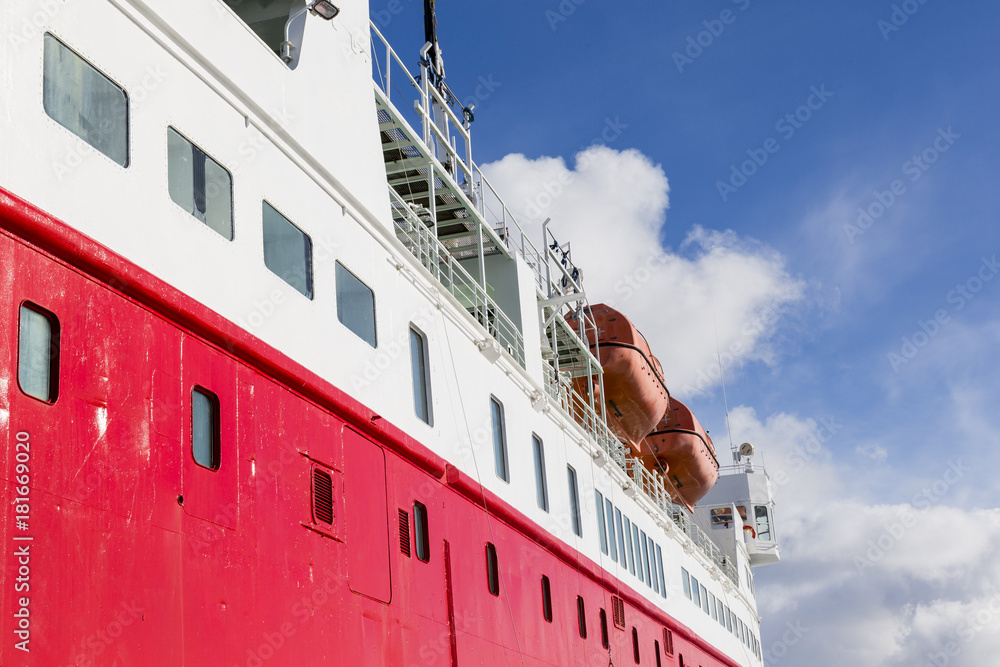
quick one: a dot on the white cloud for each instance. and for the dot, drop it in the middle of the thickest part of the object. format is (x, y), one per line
(886, 584)
(611, 206)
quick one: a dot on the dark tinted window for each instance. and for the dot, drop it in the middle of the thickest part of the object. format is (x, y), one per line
(541, 483)
(199, 185)
(84, 101)
(287, 251)
(205, 428)
(356, 305)
(420, 530)
(38, 353)
(574, 501)
(492, 570)
(546, 599)
(499, 440)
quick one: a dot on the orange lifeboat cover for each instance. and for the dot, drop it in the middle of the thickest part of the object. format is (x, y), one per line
(635, 394)
(681, 445)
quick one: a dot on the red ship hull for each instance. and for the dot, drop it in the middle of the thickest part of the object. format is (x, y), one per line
(139, 556)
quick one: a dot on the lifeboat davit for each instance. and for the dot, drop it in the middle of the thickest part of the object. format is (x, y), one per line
(635, 394)
(681, 447)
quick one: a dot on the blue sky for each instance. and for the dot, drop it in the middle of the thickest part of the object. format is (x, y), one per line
(847, 297)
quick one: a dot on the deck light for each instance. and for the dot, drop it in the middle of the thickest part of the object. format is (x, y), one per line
(324, 9)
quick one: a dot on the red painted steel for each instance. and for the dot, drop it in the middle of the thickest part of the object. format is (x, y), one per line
(121, 572)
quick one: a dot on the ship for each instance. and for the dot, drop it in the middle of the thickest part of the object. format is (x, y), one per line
(284, 382)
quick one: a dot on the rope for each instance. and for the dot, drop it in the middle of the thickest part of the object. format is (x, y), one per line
(479, 479)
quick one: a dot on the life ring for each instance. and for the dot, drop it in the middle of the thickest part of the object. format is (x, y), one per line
(753, 533)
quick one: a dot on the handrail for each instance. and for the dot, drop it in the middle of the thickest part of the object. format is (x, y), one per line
(435, 257)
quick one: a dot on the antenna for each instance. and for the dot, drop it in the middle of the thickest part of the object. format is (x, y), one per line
(433, 48)
(725, 399)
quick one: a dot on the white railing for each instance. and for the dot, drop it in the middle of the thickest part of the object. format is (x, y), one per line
(440, 137)
(436, 258)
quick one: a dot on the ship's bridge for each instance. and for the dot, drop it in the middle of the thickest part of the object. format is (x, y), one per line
(740, 509)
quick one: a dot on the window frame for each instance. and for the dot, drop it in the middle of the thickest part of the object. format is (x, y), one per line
(541, 479)
(54, 351)
(113, 82)
(340, 267)
(421, 532)
(310, 281)
(576, 515)
(232, 186)
(546, 599)
(581, 616)
(501, 461)
(216, 412)
(492, 570)
(424, 373)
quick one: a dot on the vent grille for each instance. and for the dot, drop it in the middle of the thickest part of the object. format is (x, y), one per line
(668, 641)
(404, 533)
(618, 611)
(322, 497)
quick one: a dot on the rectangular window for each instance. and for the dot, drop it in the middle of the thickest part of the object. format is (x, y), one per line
(499, 440)
(602, 530)
(420, 533)
(696, 592)
(546, 599)
(763, 523)
(492, 569)
(38, 353)
(322, 497)
(704, 599)
(356, 305)
(605, 640)
(712, 607)
(659, 569)
(287, 251)
(635, 645)
(541, 483)
(656, 652)
(631, 549)
(205, 428)
(686, 583)
(84, 101)
(199, 185)
(612, 545)
(621, 537)
(729, 619)
(581, 616)
(421, 377)
(645, 558)
(574, 501)
(638, 554)
(721, 612)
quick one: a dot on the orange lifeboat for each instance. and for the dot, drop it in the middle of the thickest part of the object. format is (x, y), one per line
(682, 448)
(635, 394)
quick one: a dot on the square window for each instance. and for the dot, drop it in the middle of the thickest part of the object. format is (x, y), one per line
(84, 101)
(287, 251)
(356, 305)
(199, 184)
